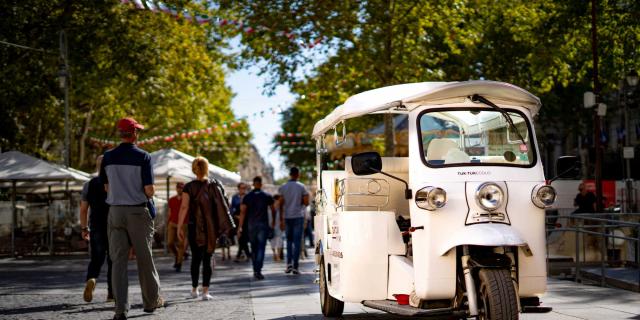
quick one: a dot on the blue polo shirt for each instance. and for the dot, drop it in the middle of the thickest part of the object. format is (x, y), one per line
(257, 202)
(126, 169)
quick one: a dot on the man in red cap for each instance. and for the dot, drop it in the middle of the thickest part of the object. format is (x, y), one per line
(129, 125)
(127, 175)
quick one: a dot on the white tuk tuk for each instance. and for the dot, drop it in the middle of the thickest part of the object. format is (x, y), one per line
(458, 226)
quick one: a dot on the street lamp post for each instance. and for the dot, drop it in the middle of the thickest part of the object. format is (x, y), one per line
(63, 76)
(632, 82)
(597, 117)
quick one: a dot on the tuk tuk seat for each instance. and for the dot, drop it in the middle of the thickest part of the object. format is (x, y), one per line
(397, 166)
(438, 148)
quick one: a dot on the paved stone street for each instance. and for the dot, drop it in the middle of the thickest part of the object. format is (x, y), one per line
(44, 288)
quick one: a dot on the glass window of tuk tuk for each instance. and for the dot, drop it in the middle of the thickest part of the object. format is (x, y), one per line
(363, 134)
(474, 137)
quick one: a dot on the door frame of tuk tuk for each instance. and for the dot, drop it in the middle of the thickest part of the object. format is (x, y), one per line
(406, 99)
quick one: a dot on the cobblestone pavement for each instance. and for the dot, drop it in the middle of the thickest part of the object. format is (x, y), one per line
(51, 288)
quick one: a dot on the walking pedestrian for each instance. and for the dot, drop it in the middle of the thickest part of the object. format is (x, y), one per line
(176, 246)
(127, 175)
(308, 230)
(277, 245)
(303, 246)
(94, 229)
(254, 210)
(585, 200)
(205, 205)
(294, 200)
(243, 240)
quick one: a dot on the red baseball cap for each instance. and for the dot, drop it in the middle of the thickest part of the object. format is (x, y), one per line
(129, 124)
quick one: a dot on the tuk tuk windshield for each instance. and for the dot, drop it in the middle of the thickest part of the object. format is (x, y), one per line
(475, 137)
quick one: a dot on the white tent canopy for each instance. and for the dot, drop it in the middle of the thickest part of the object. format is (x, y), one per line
(176, 165)
(33, 175)
(15, 165)
(30, 174)
(412, 95)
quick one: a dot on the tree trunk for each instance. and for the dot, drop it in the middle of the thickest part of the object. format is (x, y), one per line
(389, 136)
(389, 126)
(83, 137)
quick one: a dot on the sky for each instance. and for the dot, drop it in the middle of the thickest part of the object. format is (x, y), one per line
(248, 88)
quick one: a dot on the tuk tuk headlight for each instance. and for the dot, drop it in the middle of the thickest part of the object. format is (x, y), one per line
(543, 196)
(489, 196)
(431, 198)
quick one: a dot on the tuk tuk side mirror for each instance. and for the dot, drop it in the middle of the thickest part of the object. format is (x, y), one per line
(567, 167)
(367, 163)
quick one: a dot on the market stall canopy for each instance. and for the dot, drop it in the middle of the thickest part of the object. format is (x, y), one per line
(403, 98)
(171, 163)
(31, 172)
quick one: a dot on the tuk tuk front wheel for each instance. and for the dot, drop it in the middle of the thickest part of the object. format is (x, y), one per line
(497, 295)
(331, 307)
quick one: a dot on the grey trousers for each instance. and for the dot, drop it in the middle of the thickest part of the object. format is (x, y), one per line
(132, 226)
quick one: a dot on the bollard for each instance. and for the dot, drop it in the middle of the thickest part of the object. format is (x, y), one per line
(603, 254)
(638, 255)
(578, 234)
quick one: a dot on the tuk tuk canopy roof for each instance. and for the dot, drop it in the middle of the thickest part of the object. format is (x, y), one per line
(403, 98)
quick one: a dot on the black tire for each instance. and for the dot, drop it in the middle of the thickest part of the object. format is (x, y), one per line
(331, 307)
(497, 297)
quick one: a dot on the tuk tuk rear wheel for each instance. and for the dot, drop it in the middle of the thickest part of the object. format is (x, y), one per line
(331, 307)
(497, 295)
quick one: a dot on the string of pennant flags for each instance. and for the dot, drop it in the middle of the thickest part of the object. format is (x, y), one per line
(157, 6)
(215, 129)
(284, 135)
(297, 149)
(209, 145)
(295, 143)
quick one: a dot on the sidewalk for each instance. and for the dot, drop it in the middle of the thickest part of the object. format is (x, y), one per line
(51, 288)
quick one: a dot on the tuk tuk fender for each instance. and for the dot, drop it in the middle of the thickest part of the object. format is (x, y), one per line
(485, 234)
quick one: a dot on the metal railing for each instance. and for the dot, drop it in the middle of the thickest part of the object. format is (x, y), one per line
(595, 224)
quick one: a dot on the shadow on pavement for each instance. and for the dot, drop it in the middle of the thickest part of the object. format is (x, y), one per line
(53, 307)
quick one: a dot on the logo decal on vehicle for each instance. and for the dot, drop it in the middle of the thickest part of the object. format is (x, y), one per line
(474, 173)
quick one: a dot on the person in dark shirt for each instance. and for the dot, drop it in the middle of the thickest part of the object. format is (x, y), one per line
(255, 209)
(243, 240)
(585, 200)
(94, 229)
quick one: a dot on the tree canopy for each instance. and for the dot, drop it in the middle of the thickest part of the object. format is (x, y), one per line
(166, 72)
(543, 46)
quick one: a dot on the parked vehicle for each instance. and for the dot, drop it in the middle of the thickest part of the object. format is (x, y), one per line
(458, 226)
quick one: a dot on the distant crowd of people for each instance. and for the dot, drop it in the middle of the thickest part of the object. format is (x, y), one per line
(117, 218)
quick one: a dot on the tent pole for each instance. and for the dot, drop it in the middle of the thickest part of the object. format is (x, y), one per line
(68, 213)
(166, 219)
(50, 223)
(13, 218)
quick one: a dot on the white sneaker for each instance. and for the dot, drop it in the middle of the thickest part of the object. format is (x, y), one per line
(207, 297)
(195, 294)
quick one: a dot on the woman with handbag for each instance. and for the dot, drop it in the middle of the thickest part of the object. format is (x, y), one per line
(201, 229)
